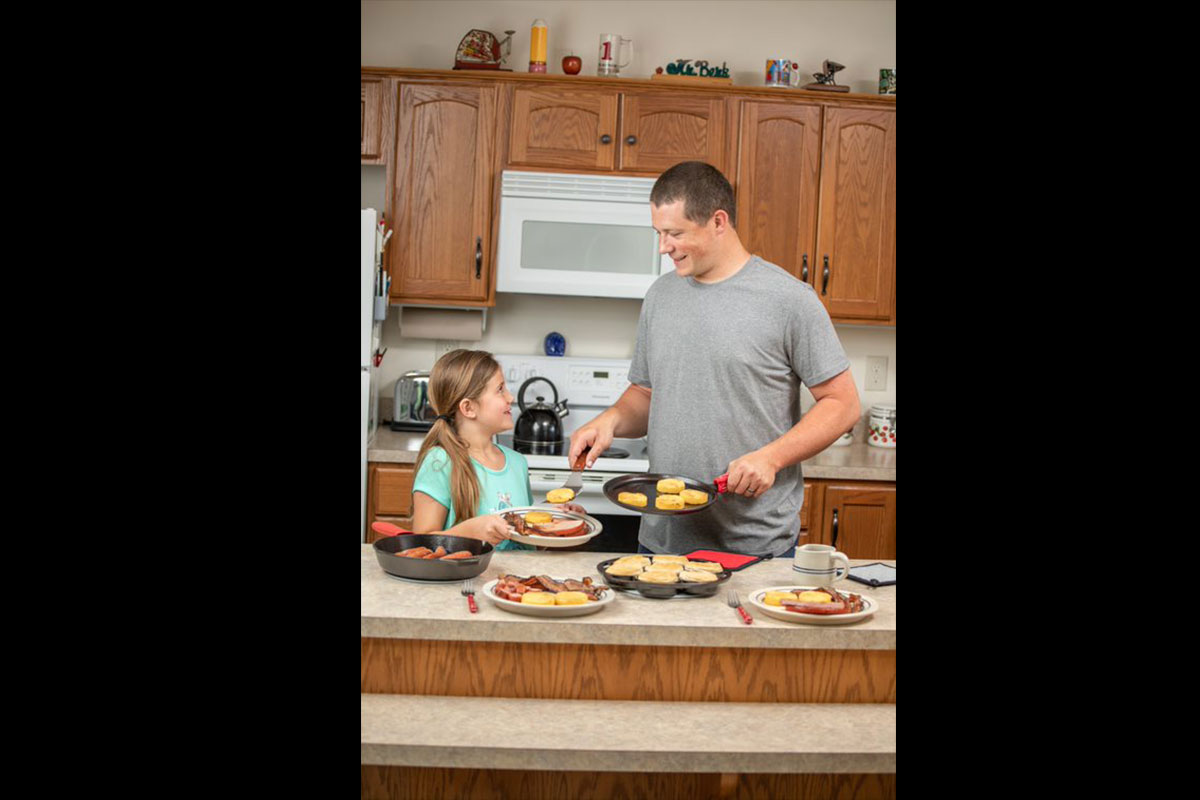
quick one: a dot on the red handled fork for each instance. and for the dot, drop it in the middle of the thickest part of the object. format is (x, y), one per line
(468, 588)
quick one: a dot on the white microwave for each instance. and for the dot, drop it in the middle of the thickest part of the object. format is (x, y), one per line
(568, 234)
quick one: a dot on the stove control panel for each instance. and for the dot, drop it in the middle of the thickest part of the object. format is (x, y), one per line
(581, 381)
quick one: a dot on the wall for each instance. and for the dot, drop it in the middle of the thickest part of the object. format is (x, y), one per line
(413, 33)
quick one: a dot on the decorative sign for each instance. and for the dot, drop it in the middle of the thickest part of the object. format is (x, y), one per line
(700, 69)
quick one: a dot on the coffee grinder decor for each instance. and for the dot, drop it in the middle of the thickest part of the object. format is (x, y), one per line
(825, 81)
(481, 50)
(686, 70)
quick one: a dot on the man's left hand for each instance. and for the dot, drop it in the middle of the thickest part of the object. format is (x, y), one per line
(751, 475)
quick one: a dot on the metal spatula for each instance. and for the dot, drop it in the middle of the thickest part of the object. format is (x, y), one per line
(575, 479)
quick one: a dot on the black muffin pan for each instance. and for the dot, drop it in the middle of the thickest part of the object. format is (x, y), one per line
(661, 591)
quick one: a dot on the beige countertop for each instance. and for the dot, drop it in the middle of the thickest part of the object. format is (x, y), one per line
(392, 607)
(857, 462)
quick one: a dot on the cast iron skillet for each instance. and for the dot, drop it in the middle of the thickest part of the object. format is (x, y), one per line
(647, 483)
(432, 569)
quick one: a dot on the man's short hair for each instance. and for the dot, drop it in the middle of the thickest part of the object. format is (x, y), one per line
(702, 188)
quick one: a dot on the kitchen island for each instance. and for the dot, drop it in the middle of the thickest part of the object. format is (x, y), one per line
(646, 697)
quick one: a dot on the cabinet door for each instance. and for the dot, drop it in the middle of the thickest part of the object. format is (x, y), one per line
(389, 496)
(856, 239)
(563, 128)
(377, 120)
(860, 519)
(660, 130)
(778, 179)
(810, 514)
(443, 192)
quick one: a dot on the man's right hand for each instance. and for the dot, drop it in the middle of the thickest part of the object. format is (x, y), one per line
(597, 434)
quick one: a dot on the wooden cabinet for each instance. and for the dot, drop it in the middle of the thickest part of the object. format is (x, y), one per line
(859, 518)
(778, 180)
(810, 513)
(856, 238)
(389, 496)
(817, 196)
(377, 122)
(441, 251)
(606, 130)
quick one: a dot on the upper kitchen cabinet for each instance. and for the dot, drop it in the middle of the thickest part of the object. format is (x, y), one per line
(377, 122)
(611, 131)
(855, 271)
(442, 194)
(779, 175)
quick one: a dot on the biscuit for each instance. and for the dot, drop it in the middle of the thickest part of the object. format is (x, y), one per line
(693, 497)
(570, 599)
(560, 496)
(670, 486)
(641, 560)
(632, 499)
(659, 576)
(668, 502)
(668, 566)
(773, 598)
(814, 597)
(705, 566)
(538, 598)
(670, 559)
(623, 570)
(539, 517)
(696, 576)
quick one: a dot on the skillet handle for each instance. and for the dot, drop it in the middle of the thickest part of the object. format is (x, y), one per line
(721, 483)
(387, 529)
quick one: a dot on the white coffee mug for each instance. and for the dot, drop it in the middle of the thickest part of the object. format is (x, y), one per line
(817, 564)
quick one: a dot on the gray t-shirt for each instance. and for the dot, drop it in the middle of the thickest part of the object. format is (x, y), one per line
(724, 362)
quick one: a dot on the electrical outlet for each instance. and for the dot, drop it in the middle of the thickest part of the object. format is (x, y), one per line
(441, 347)
(876, 373)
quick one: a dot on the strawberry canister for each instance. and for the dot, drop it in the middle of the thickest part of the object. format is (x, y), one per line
(881, 426)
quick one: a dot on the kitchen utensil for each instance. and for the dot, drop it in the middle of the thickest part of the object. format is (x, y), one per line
(593, 528)
(817, 563)
(538, 427)
(647, 483)
(387, 529)
(468, 588)
(531, 610)
(432, 569)
(661, 591)
(575, 479)
(870, 606)
(736, 602)
(412, 409)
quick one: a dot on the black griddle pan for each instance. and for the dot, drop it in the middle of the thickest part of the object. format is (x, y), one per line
(647, 483)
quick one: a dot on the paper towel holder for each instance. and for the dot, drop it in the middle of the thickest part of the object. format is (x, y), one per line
(401, 306)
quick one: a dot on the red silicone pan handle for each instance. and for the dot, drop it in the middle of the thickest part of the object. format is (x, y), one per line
(387, 529)
(722, 482)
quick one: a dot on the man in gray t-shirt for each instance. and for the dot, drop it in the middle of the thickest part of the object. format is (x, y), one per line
(723, 344)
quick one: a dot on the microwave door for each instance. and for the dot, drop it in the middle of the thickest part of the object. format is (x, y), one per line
(577, 247)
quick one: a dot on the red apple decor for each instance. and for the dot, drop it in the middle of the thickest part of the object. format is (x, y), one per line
(572, 65)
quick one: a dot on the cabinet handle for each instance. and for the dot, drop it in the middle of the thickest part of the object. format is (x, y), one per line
(631, 140)
(804, 269)
(605, 139)
(478, 256)
(825, 278)
(835, 527)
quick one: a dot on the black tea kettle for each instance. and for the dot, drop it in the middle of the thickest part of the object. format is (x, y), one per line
(538, 430)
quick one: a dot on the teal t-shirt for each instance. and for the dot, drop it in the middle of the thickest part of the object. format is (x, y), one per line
(498, 489)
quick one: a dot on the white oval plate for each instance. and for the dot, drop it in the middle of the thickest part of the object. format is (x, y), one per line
(547, 611)
(777, 612)
(593, 528)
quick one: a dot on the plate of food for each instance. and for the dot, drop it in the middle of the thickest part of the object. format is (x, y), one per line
(812, 605)
(544, 596)
(547, 526)
(664, 576)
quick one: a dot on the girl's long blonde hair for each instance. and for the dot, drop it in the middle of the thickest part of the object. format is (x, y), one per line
(458, 375)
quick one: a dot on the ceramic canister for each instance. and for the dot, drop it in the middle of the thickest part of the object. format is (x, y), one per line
(881, 426)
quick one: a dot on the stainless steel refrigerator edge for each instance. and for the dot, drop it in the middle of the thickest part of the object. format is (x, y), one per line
(370, 330)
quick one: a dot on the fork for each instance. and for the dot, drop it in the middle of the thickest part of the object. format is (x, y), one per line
(468, 588)
(734, 602)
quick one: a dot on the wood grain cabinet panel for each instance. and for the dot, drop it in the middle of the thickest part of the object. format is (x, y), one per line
(778, 181)
(856, 238)
(563, 128)
(660, 130)
(859, 519)
(377, 121)
(442, 201)
(389, 496)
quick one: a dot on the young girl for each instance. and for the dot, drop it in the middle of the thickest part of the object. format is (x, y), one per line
(462, 477)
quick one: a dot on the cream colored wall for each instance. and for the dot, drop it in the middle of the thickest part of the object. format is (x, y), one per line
(414, 33)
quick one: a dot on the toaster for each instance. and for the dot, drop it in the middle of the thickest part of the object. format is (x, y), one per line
(411, 409)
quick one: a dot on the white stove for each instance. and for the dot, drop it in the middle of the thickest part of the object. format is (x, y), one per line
(589, 385)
